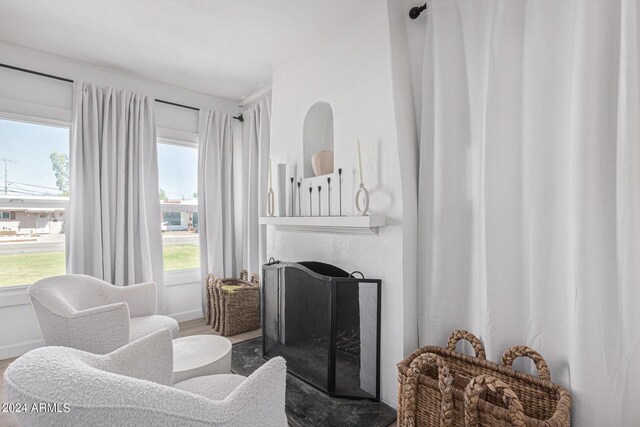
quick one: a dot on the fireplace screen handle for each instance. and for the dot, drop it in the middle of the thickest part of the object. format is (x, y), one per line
(356, 272)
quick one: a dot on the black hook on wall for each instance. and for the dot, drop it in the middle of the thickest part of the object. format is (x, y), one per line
(415, 12)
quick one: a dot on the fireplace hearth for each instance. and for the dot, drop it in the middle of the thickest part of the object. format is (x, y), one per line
(326, 324)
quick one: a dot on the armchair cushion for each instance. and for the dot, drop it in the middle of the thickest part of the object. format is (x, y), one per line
(97, 330)
(214, 387)
(150, 358)
(143, 326)
(141, 298)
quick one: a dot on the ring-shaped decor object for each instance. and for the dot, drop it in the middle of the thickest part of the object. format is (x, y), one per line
(365, 196)
(271, 203)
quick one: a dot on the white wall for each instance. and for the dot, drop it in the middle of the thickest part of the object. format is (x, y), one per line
(29, 95)
(350, 66)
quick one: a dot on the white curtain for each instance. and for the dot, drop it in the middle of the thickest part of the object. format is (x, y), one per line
(215, 195)
(257, 129)
(530, 189)
(113, 221)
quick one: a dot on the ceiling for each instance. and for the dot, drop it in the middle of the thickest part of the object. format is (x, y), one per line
(224, 48)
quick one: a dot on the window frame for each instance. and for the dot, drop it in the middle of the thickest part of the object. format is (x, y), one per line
(34, 202)
(187, 275)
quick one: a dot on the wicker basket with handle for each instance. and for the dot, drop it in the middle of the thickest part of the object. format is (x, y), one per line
(233, 305)
(438, 386)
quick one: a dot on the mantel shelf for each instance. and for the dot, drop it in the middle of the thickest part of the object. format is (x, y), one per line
(368, 224)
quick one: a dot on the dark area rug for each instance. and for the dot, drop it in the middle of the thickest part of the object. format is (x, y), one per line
(308, 407)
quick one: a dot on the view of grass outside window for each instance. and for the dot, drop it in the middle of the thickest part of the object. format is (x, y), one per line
(178, 165)
(34, 190)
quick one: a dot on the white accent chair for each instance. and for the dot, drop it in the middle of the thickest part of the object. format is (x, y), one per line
(90, 314)
(132, 386)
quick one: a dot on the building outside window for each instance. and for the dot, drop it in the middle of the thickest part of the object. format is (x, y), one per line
(178, 176)
(34, 190)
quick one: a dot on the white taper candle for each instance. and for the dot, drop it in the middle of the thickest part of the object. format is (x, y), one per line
(359, 162)
(270, 178)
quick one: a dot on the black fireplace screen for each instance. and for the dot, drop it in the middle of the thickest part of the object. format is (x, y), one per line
(326, 325)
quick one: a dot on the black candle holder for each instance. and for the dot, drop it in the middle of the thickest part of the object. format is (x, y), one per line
(329, 193)
(340, 189)
(310, 202)
(319, 200)
(292, 212)
(299, 203)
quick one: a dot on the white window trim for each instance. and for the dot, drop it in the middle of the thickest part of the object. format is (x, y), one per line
(176, 137)
(25, 112)
(14, 296)
(181, 277)
(39, 114)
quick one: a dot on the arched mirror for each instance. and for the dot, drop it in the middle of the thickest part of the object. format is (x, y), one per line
(318, 140)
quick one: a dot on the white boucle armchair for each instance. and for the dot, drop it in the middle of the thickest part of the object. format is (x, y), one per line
(132, 387)
(90, 314)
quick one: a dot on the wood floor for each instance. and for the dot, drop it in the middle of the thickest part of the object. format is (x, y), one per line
(192, 327)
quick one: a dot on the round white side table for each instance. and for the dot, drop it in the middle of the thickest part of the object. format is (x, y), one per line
(200, 355)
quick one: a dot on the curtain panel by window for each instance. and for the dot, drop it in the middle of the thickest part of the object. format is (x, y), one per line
(114, 207)
(215, 196)
(529, 205)
(257, 129)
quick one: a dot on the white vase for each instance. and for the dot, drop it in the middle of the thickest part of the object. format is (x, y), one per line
(281, 193)
(322, 162)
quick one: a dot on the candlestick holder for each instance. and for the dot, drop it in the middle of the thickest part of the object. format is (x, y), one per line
(292, 211)
(282, 190)
(319, 200)
(299, 203)
(365, 202)
(310, 202)
(340, 190)
(329, 194)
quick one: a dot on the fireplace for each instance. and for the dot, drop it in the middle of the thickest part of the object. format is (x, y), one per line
(326, 324)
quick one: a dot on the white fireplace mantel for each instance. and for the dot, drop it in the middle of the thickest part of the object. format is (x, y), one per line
(368, 224)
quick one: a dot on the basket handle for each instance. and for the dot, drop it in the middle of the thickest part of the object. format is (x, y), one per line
(445, 381)
(515, 412)
(459, 334)
(523, 351)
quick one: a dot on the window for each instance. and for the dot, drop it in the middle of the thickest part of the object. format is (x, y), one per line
(171, 218)
(177, 167)
(34, 189)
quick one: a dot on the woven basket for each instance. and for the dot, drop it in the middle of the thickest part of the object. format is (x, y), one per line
(211, 307)
(233, 305)
(439, 387)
